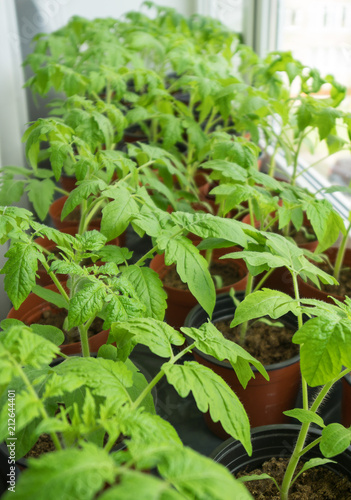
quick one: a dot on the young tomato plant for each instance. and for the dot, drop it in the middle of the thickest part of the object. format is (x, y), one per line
(86, 404)
(324, 348)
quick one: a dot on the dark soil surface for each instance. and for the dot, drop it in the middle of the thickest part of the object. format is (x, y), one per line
(344, 287)
(43, 445)
(56, 317)
(228, 273)
(269, 344)
(318, 483)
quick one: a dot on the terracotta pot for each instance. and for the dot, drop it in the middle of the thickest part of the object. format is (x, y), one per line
(55, 211)
(310, 291)
(274, 441)
(180, 302)
(264, 401)
(346, 401)
(68, 182)
(31, 310)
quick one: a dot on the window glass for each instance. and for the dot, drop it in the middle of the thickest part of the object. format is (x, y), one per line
(318, 33)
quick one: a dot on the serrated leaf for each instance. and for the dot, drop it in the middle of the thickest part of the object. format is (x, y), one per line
(27, 348)
(210, 226)
(86, 303)
(80, 193)
(326, 222)
(211, 394)
(264, 302)
(58, 155)
(335, 439)
(192, 269)
(117, 214)
(111, 253)
(66, 472)
(104, 377)
(157, 335)
(325, 347)
(148, 287)
(20, 270)
(210, 341)
(305, 416)
(196, 476)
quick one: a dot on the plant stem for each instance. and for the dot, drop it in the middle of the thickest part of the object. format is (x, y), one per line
(325, 389)
(294, 459)
(83, 210)
(56, 281)
(263, 279)
(341, 253)
(244, 326)
(83, 333)
(158, 377)
(148, 255)
(42, 409)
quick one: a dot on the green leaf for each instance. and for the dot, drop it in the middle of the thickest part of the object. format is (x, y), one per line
(26, 348)
(305, 416)
(210, 226)
(108, 352)
(326, 222)
(325, 347)
(304, 115)
(313, 462)
(11, 191)
(106, 378)
(80, 193)
(20, 270)
(335, 439)
(118, 255)
(41, 194)
(264, 302)
(50, 296)
(211, 394)
(149, 289)
(48, 332)
(157, 335)
(210, 341)
(117, 214)
(192, 269)
(86, 302)
(325, 121)
(58, 155)
(65, 472)
(134, 484)
(198, 477)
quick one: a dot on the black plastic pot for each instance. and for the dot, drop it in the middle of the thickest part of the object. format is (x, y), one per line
(346, 401)
(274, 441)
(264, 401)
